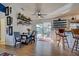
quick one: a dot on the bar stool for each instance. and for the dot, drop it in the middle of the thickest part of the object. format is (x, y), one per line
(57, 36)
(75, 33)
(63, 37)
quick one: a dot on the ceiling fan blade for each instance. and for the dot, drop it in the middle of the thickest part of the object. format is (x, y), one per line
(36, 9)
(43, 14)
(37, 12)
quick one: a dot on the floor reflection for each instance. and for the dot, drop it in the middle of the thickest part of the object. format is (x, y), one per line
(43, 48)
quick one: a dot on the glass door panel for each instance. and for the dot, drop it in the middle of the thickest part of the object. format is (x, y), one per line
(39, 30)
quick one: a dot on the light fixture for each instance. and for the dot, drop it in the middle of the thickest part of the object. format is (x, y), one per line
(59, 19)
(73, 18)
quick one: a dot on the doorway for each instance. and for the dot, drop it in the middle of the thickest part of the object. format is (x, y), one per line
(43, 31)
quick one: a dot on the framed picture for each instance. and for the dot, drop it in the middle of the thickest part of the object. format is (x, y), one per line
(10, 30)
(7, 11)
(9, 20)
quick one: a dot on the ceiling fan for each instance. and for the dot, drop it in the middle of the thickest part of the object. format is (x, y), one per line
(37, 11)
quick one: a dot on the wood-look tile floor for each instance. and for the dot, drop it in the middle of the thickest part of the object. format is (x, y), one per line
(40, 48)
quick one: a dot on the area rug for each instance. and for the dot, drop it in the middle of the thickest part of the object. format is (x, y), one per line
(6, 54)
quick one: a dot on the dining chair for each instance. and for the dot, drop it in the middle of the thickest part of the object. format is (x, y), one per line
(32, 37)
(75, 33)
(17, 38)
(57, 36)
(24, 38)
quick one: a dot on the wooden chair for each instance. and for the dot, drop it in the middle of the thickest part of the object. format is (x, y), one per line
(63, 37)
(24, 39)
(57, 36)
(75, 33)
(17, 38)
(32, 37)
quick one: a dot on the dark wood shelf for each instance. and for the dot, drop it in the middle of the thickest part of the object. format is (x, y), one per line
(74, 21)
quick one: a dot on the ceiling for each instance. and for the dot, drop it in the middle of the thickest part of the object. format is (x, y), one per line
(51, 9)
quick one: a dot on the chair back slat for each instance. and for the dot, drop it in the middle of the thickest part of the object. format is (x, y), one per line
(17, 34)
